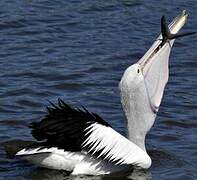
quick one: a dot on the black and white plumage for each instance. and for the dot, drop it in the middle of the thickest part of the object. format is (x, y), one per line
(65, 124)
(76, 140)
(81, 134)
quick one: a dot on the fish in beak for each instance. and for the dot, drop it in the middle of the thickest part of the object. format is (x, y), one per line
(167, 35)
(154, 64)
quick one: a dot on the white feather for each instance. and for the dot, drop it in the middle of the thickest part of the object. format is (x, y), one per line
(115, 146)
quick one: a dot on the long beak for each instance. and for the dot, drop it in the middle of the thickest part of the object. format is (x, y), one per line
(154, 64)
(165, 38)
(167, 35)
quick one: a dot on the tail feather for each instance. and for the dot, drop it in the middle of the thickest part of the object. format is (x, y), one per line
(13, 146)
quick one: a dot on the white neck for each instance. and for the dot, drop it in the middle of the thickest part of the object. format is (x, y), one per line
(139, 114)
(143, 83)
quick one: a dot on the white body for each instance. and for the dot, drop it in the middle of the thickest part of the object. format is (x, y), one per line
(83, 163)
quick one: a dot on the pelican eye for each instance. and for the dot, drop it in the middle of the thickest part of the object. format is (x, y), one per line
(138, 71)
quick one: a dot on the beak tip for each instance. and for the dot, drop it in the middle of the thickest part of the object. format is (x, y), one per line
(184, 12)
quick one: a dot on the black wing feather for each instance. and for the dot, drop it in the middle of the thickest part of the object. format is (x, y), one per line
(64, 126)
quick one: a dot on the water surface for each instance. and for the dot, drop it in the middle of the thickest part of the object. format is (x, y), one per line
(78, 50)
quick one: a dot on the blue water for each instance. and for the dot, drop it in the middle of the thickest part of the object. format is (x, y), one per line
(78, 50)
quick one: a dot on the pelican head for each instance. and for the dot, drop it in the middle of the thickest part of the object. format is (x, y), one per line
(142, 85)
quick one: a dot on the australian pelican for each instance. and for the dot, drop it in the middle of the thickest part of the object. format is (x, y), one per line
(82, 142)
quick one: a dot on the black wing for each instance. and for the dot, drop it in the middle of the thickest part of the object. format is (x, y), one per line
(65, 127)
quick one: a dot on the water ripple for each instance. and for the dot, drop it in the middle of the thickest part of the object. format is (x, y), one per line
(78, 51)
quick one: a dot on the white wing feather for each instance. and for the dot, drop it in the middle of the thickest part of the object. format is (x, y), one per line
(113, 146)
